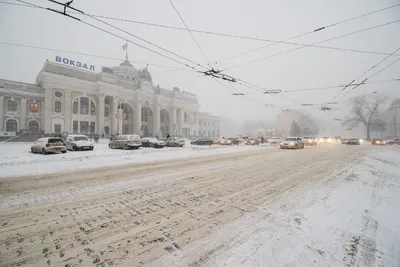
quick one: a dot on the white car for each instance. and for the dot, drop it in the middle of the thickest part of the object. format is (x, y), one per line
(78, 142)
(292, 142)
(49, 145)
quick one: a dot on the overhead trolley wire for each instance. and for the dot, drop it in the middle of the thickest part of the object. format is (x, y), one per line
(194, 39)
(220, 34)
(311, 32)
(319, 42)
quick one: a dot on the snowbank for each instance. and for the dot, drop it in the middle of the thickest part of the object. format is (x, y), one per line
(16, 158)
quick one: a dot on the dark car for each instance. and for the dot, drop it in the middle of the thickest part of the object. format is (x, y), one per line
(202, 142)
(344, 141)
(378, 142)
(152, 142)
(353, 141)
(394, 142)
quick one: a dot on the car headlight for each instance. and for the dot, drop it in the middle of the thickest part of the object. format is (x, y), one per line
(329, 140)
(291, 144)
(281, 143)
(360, 140)
(321, 140)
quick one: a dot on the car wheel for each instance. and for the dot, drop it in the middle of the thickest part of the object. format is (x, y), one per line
(64, 152)
(44, 151)
(74, 148)
(32, 151)
(302, 146)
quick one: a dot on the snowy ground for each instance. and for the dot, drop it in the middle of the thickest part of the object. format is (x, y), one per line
(16, 158)
(321, 206)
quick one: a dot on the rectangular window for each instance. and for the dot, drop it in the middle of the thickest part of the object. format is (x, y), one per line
(57, 128)
(75, 126)
(107, 129)
(92, 127)
(11, 105)
(84, 127)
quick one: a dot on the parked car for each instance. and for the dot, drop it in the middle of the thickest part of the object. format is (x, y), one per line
(378, 142)
(337, 139)
(310, 140)
(251, 141)
(394, 141)
(353, 141)
(204, 141)
(344, 141)
(175, 142)
(152, 142)
(126, 141)
(78, 142)
(47, 145)
(292, 142)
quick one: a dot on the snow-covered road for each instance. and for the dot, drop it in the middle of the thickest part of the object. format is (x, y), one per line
(321, 206)
(16, 158)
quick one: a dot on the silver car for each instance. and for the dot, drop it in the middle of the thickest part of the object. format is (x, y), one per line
(292, 142)
(49, 145)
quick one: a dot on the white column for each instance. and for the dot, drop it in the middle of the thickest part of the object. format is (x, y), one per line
(156, 120)
(48, 95)
(67, 112)
(100, 115)
(1, 113)
(173, 127)
(137, 117)
(120, 120)
(22, 122)
(114, 119)
(180, 123)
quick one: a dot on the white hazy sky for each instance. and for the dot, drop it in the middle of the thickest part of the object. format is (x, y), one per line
(274, 20)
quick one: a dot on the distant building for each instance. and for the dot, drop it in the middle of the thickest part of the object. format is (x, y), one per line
(118, 100)
(391, 118)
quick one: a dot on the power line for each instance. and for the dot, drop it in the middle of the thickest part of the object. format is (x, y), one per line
(326, 40)
(86, 54)
(120, 37)
(331, 87)
(310, 32)
(194, 39)
(221, 34)
(376, 73)
(363, 82)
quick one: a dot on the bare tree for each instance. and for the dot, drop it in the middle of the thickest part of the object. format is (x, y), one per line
(365, 111)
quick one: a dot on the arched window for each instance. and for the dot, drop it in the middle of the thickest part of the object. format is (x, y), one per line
(106, 112)
(11, 126)
(75, 106)
(12, 105)
(33, 125)
(84, 102)
(57, 106)
(92, 108)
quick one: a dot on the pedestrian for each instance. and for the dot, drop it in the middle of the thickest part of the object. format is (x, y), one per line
(262, 139)
(168, 136)
(102, 136)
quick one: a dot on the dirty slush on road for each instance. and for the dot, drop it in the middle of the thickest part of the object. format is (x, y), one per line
(135, 216)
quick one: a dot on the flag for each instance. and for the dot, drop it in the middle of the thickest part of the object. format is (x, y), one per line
(125, 46)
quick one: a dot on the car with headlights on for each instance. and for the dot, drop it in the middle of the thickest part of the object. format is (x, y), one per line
(326, 140)
(152, 142)
(78, 142)
(126, 141)
(48, 145)
(251, 141)
(310, 140)
(292, 142)
(378, 142)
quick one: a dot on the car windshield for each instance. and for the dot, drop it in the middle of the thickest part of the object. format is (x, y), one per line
(291, 139)
(80, 138)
